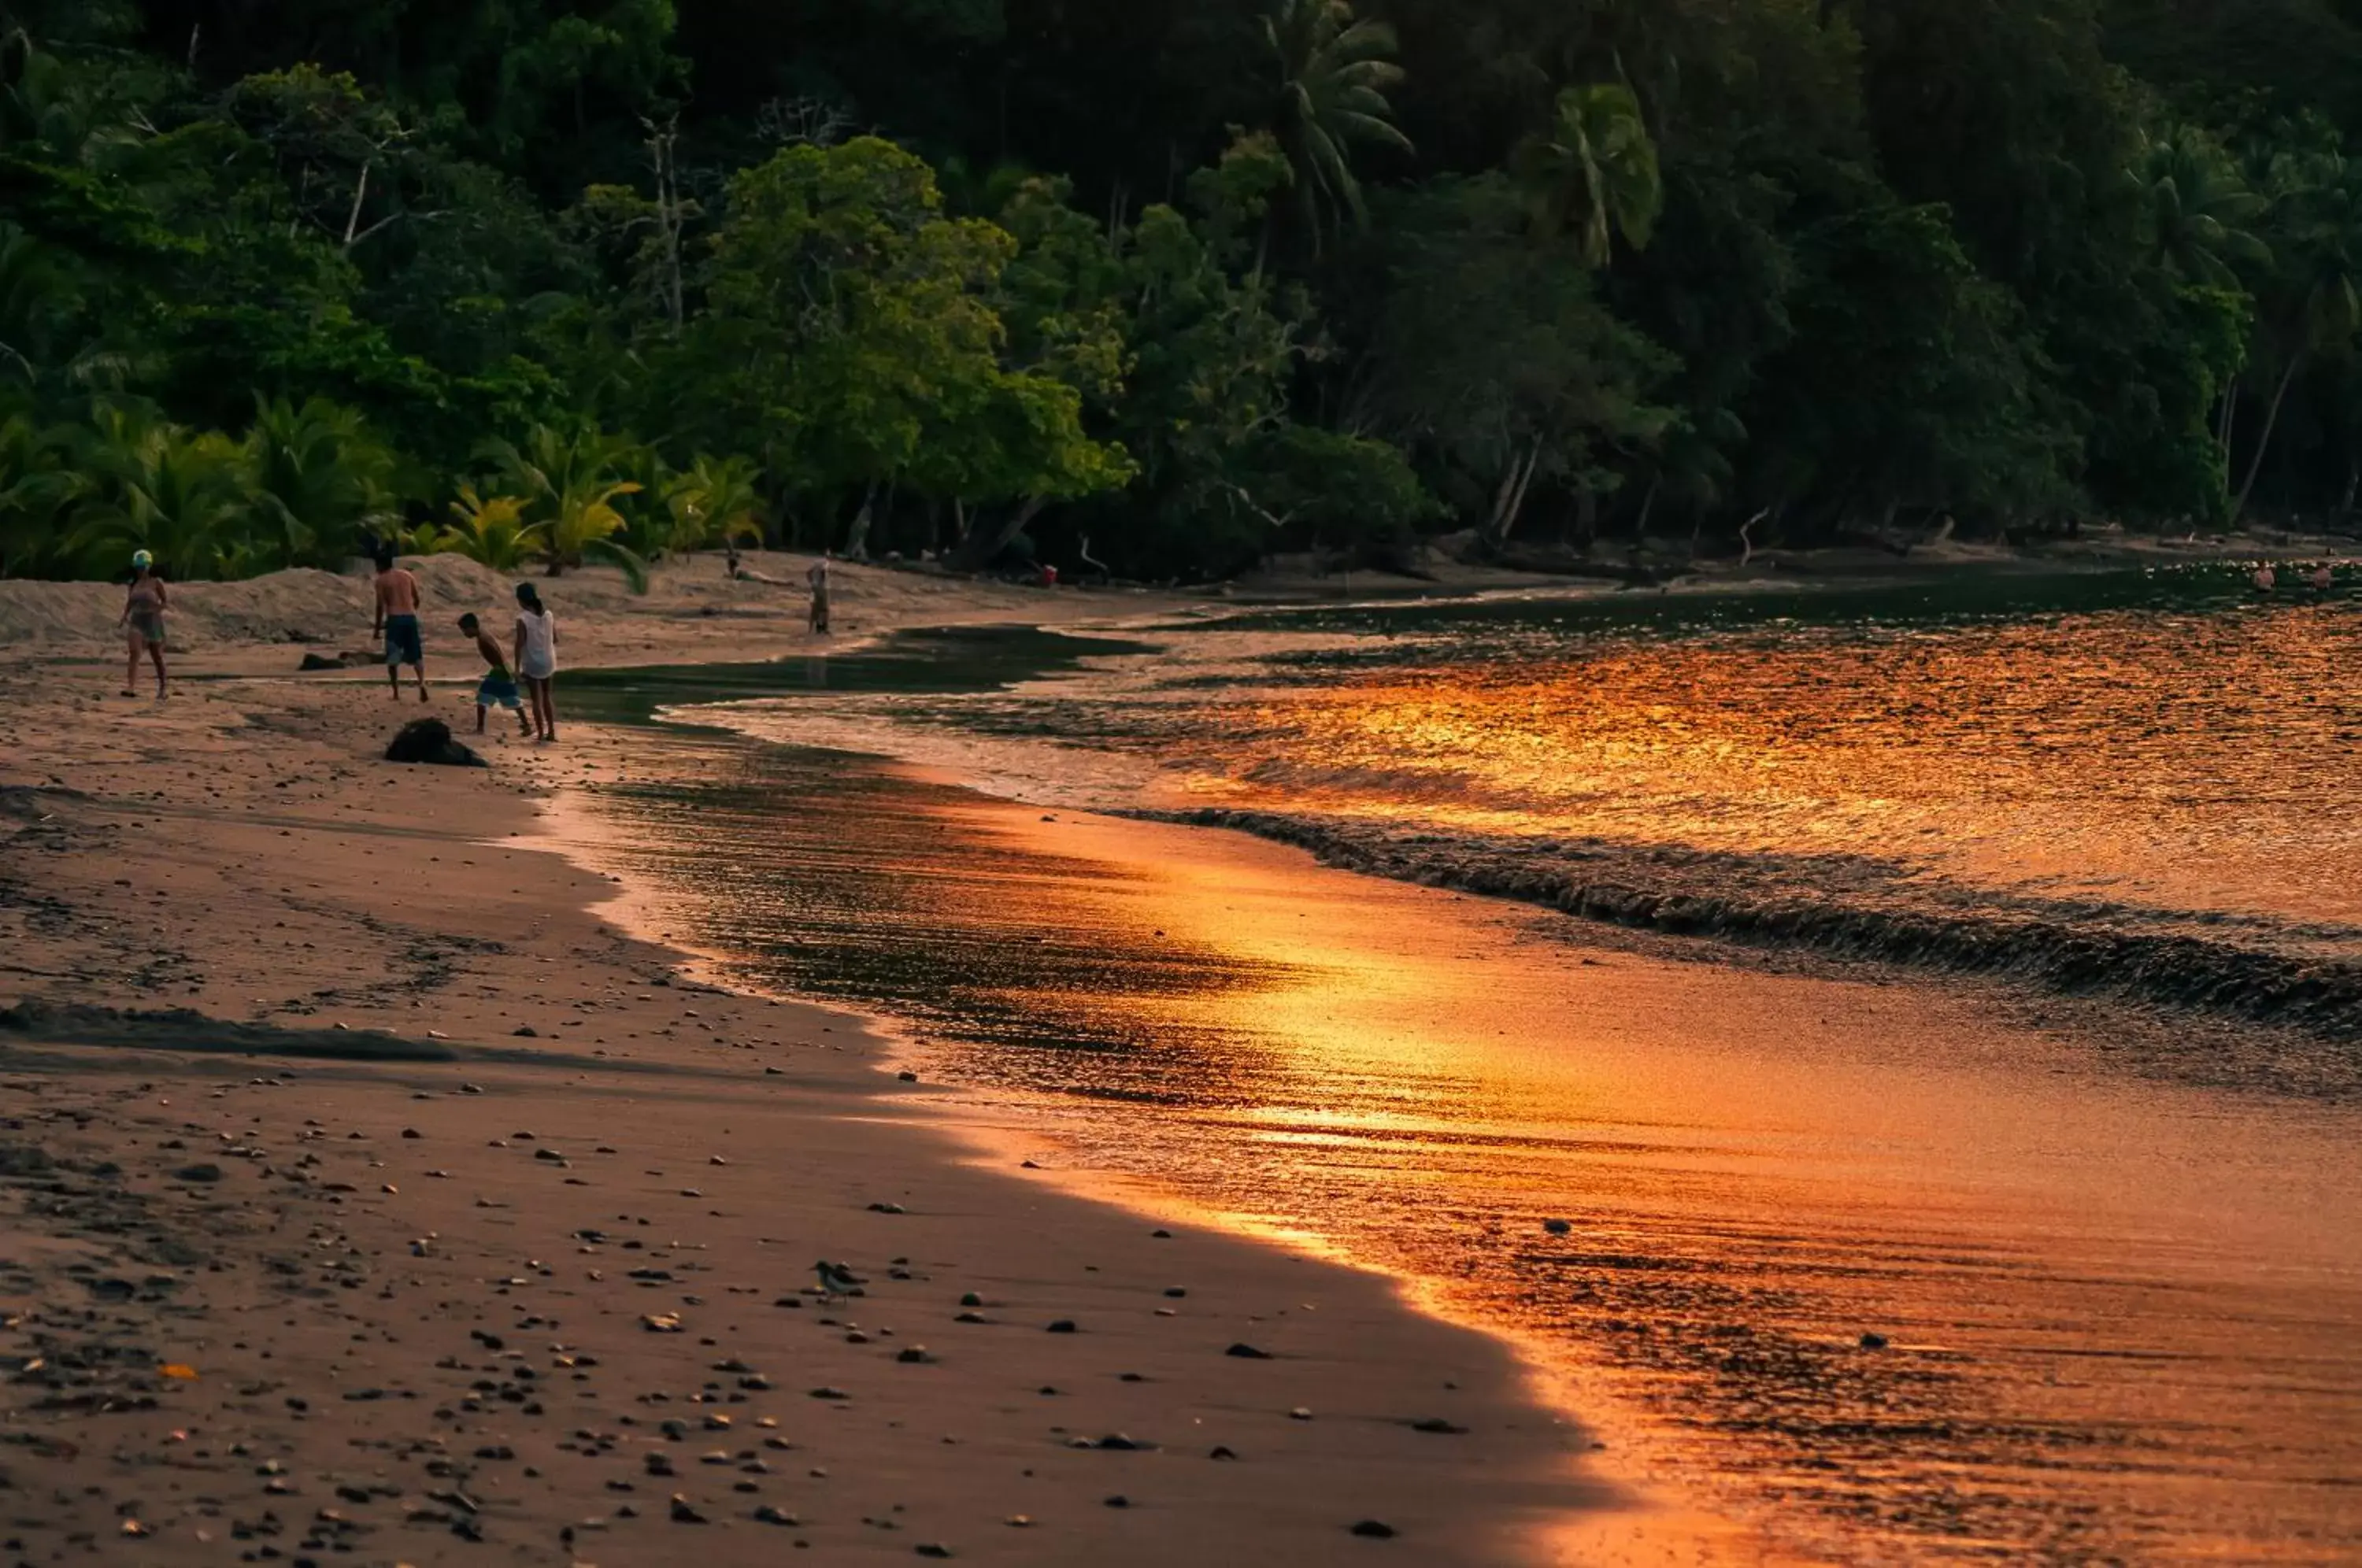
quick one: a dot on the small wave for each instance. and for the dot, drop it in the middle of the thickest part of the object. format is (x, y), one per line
(1641, 891)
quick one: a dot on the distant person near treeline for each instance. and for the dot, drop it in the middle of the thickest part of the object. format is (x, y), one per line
(397, 619)
(143, 622)
(818, 577)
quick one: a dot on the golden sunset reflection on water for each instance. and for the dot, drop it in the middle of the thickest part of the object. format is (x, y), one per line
(2120, 1309)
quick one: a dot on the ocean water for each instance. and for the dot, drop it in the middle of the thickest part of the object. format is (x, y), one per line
(1971, 965)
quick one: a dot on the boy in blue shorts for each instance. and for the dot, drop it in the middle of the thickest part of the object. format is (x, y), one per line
(498, 687)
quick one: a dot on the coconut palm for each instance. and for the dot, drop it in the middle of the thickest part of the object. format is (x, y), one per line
(569, 485)
(715, 498)
(38, 483)
(163, 489)
(318, 474)
(2199, 212)
(1594, 170)
(1334, 75)
(2314, 301)
(490, 530)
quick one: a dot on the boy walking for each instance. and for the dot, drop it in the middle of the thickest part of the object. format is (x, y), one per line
(498, 687)
(397, 617)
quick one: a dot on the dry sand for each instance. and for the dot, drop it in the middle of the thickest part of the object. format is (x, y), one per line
(452, 1223)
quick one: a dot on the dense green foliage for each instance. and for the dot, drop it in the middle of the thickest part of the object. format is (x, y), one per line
(1167, 285)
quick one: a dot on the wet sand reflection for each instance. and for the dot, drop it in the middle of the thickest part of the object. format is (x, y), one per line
(2120, 1317)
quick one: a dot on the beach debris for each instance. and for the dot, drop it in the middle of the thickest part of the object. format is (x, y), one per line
(1246, 1352)
(660, 1322)
(430, 740)
(1019, 1521)
(1119, 1501)
(682, 1512)
(932, 1549)
(1558, 1227)
(179, 1370)
(1374, 1529)
(765, 1513)
(201, 1174)
(1301, 1413)
(908, 1077)
(1874, 1342)
(1223, 1451)
(887, 1208)
(1439, 1425)
(830, 1394)
(971, 1298)
(1063, 1326)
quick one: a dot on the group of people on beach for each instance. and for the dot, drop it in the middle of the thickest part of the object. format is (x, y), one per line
(535, 644)
(396, 620)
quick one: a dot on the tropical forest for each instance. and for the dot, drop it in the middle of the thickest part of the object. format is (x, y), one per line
(1164, 287)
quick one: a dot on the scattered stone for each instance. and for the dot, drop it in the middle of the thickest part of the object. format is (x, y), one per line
(1874, 1342)
(1223, 1451)
(1246, 1352)
(1119, 1501)
(830, 1394)
(1375, 1529)
(767, 1514)
(1301, 1413)
(932, 1549)
(971, 1299)
(1063, 1326)
(1557, 1227)
(660, 1322)
(202, 1174)
(682, 1513)
(886, 1208)
(1439, 1425)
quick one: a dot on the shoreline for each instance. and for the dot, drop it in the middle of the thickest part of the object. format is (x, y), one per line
(199, 802)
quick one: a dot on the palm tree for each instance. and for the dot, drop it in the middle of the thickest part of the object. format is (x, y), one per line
(2199, 210)
(1594, 170)
(1333, 76)
(491, 531)
(715, 498)
(38, 483)
(317, 473)
(569, 485)
(2316, 293)
(162, 488)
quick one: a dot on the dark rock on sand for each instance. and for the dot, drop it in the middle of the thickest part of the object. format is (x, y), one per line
(1246, 1352)
(429, 741)
(1375, 1529)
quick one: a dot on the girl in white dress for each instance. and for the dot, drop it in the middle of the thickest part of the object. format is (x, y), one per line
(537, 660)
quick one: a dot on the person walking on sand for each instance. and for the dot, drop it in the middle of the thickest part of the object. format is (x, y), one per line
(818, 577)
(397, 618)
(498, 687)
(143, 622)
(537, 660)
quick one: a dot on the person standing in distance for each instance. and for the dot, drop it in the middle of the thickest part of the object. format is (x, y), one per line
(143, 622)
(537, 660)
(818, 577)
(397, 618)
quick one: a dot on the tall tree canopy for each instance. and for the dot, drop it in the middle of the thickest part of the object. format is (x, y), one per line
(1165, 286)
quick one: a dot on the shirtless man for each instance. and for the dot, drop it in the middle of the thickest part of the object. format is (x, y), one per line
(397, 617)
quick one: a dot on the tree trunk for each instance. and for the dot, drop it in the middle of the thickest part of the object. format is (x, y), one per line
(2353, 485)
(984, 545)
(2264, 441)
(1510, 499)
(857, 544)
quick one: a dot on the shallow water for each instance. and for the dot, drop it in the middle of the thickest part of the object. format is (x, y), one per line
(2120, 1295)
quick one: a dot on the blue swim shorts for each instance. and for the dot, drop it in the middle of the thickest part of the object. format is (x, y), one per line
(402, 641)
(499, 689)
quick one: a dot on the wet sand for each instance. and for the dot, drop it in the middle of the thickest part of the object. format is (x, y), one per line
(245, 1315)
(2108, 1317)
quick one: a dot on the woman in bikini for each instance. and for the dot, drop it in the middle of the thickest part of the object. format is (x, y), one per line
(143, 622)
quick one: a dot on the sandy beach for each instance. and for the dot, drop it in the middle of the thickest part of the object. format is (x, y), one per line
(370, 1197)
